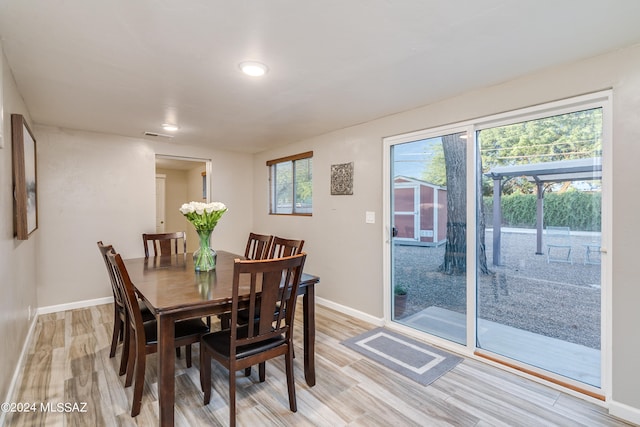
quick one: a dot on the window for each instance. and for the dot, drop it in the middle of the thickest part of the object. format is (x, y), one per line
(290, 181)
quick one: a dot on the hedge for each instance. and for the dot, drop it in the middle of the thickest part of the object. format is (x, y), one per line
(577, 210)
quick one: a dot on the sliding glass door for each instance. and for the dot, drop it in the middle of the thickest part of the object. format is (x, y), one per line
(496, 236)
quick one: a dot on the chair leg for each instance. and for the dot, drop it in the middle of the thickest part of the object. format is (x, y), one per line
(126, 348)
(261, 371)
(247, 371)
(232, 397)
(291, 386)
(177, 352)
(225, 321)
(201, 368)
(205, 374)
(188, 355)
(139, 385)
(117, 330)
(131, 363)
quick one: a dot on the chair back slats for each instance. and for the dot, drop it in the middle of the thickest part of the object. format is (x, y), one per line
(258, 246)
(117, 294)
(164, 243)
(285, 298)
(261, 246)
(127, 289)
(273, 288)
(281, 247)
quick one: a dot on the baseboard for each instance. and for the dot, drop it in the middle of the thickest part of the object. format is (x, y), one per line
(17, 374)
(624, 412)
(350, 311)
(74, 305)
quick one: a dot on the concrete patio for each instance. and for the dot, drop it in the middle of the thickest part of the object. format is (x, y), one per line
(544, 314)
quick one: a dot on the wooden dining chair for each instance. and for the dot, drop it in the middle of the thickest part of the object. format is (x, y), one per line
(258, 246)
(119, 333)
(167, 244)
(162, 243)
(269, 282)
(281, 247)
(143, 338)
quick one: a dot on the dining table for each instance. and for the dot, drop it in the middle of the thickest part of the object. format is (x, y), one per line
(173, 290)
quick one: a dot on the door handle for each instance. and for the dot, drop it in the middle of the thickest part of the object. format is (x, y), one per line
(394, 232)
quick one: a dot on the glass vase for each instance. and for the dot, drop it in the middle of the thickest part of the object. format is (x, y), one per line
(204, 258)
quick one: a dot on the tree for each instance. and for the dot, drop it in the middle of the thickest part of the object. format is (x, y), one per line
(575, 135)
(455, 158)
(435, 169)
(454, 149)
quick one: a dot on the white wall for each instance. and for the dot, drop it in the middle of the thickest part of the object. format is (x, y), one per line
(17, 258)
(101, 187)
(347, 253)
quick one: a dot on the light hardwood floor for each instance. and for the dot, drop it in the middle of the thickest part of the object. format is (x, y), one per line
(68, 362)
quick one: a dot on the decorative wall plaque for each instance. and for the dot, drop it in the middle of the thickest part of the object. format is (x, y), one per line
(342, 179)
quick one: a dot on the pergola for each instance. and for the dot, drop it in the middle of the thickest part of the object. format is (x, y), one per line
(539, 173)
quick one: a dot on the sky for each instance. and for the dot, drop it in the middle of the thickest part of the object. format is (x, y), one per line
(411, 158)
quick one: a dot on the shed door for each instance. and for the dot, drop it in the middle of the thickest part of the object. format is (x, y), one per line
(406, 212)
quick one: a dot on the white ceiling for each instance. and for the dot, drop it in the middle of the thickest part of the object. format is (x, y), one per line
(125, 67)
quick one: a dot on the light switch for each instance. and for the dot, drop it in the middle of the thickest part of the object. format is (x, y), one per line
(370, 217)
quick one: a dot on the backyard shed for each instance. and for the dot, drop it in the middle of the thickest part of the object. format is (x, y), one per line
(419, 212)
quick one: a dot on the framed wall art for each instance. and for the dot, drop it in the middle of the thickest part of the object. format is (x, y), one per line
(342, 179)
(24, 178)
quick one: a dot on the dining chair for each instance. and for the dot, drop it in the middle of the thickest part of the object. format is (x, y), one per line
(258, 246)
(281, 247)
(269, 282)
(119, 333)
(162, 243)
(143, 335)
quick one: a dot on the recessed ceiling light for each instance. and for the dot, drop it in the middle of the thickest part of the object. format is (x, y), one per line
(170, 127)
(254, 69)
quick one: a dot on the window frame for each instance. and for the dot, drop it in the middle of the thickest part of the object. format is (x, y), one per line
(271, 164)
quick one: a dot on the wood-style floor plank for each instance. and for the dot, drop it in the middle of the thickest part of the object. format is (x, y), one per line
(68, 362)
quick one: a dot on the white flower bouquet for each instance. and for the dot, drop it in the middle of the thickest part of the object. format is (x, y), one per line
(203, 216)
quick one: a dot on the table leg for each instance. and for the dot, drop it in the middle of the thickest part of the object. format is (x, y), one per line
(309, 315)
(166, 369)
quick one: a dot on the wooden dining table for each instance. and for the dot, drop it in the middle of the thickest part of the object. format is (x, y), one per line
(173, 290)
